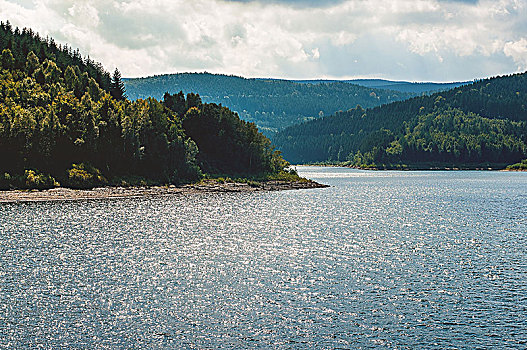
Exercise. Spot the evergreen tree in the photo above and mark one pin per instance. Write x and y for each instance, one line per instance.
(7, 59)
(117, 89)
(32, 62)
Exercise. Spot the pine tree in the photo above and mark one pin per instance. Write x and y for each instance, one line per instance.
(6, 59)
(117, 89)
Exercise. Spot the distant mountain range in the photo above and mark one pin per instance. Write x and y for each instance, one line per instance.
(271, 104)
(401, 86)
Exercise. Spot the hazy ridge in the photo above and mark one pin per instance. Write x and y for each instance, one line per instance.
(271, 104)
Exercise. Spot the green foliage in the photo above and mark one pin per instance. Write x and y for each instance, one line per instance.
(117, 88)
(519, 166)
(7, 59)
(289, 175)
(6, 181)
(447, 136)
(270, 104)
(226, 143)
(401, 86)
(478, 123)
(84, 176)
(21, 43)
(35, 180)
(54, 114)
(29, 179)
(132, 180)
(32, 62)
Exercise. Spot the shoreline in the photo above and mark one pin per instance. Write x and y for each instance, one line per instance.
(208, 186)
(414, 168)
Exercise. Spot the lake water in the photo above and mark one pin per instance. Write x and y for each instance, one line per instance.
(395, 260)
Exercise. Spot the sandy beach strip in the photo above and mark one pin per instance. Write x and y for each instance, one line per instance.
(68, 194)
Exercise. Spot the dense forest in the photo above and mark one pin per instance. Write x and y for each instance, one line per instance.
(63, 118)
(484, 122)
(271, 104)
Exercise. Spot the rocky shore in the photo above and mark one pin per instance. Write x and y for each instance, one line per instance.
(68, 194)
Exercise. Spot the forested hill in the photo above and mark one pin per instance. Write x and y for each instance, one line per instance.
(401, 86)
(63, 119)
(270, 104)
(21, 42)
(484, 122)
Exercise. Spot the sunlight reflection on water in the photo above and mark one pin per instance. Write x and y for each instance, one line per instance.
(378, 260)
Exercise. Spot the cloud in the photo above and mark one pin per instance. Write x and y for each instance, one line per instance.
(295, 3)
(439, 40)
(518, 51)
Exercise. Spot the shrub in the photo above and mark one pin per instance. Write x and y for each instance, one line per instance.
(5, 181)
(132, 180)
(36, 180)
(84, 176)
(518, 166)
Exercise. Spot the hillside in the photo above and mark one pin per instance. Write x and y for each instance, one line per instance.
(401, 86)
(63, 119)
(484, 122)
(270, 104)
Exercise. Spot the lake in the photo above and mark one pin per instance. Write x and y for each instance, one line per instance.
(382, 259)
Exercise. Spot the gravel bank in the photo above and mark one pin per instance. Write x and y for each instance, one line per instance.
(60, 193)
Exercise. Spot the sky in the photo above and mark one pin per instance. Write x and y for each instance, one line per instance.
(413, 40)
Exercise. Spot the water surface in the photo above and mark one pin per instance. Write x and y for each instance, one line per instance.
(379, 260)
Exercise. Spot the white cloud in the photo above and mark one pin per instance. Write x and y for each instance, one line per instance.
(84, 15)
(400, 39)
(315, 53)
(518, 51)
(343, 38)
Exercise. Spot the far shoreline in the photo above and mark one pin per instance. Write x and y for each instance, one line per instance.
(109, 192)
(415, 168)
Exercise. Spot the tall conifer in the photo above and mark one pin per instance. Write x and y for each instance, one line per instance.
(117, 89)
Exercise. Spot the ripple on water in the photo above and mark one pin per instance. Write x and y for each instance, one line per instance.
(378, 260)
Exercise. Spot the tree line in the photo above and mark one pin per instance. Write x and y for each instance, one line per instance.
(63, 119)
(484, 122)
